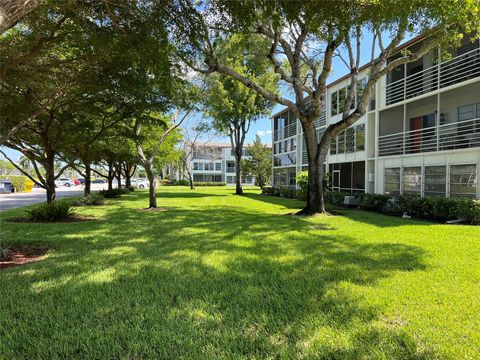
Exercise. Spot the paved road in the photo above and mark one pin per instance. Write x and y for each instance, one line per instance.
(12, 201)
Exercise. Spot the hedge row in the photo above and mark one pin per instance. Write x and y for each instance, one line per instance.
(428, 208)
(18, 181)
(209, 183)
(284, 191)
(184, 182)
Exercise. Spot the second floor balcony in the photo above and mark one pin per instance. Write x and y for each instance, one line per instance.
(461, 68)
(285, 132)
(452, 136)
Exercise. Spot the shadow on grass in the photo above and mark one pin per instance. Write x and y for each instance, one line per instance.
(204, 283)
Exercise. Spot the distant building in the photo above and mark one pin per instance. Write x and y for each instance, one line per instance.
(214, 162)
(420, 135)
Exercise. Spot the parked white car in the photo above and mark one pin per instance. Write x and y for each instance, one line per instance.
(139, 183)
(64, 182)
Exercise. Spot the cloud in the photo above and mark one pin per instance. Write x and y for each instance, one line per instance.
(263, 133)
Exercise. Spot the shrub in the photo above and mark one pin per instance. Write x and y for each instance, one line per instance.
(469, 210)
(182, 182)
(58, 210)
(110, 194)
(208, 183)
(89, 200)
(131, 188)
(335, 197)
(268, 190)
(373, 202)
(19, 182)
(164, 181)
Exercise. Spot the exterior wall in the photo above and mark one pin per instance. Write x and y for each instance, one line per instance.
(219, 167)
(433, 95)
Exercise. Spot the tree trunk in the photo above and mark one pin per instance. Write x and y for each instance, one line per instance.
(128, 180)
(238, 169)
(110, 176)
(152, 185)
(192, 185)
(12, 11)
(315, 202)
(50, 179)
(119, 178)
(88, 180)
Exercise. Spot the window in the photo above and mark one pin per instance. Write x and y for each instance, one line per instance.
(350, 140)
(218, 166)
(435, 181)
(284, 160)
(342, 97)
(412, 180)
(463, 180)
(360, 137)
(334, 104)
(467, 112)
(341, 143)
(195, 166)
(333, 147)
(392, 181)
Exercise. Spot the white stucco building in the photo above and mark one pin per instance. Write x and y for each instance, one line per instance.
(420, 135)
(214, 162)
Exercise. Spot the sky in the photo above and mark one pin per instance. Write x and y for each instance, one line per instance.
(262, 127)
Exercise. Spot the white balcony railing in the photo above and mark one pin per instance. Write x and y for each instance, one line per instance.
(287, 131)
(463, 67)
(458, 135)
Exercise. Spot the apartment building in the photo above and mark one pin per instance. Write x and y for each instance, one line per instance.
(215, 162)
(420, 135)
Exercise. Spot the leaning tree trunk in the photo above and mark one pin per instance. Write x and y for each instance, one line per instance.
(238, 170)
(50, 179)
(152, 185)
(128, 181)
(88, 180)
(315, 202)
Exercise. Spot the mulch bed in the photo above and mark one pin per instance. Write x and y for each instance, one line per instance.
(22, 254)
(153, 209)
(70, 219)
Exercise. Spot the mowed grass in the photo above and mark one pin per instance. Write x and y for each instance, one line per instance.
(218, 276)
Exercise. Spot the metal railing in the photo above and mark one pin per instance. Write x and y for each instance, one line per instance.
(287, 131)
(457, 135)
(463, 67)
(322, 120)
(230, 170)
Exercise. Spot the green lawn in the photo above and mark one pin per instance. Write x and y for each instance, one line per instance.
(220, 276)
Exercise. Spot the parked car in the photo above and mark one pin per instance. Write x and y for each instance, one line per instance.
(77, 182)
(139, 183)
(82, 181)
(98, 181)
(64, 182)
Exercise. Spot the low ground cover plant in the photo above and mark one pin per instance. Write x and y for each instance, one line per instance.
(114, 193)
(89, 200)
(58, 210)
